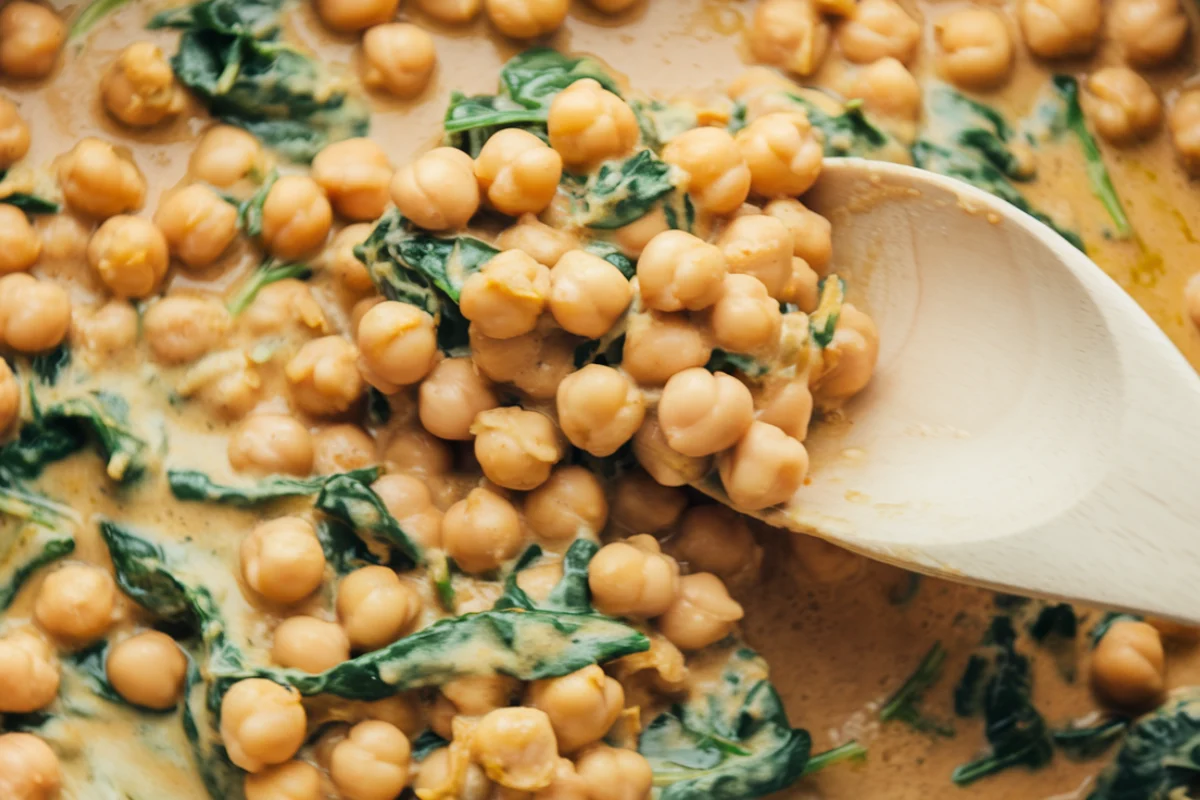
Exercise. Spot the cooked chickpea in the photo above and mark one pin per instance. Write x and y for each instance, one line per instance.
(787, 404)
(147, 669)
(1121, 105)
(1128, 666)
(642, 505)
(375, 607)
(764, 469)
(76, 603)
(633, 238)
(659, 345)
(197, 223)
(516, 448)
(516, 748)
(20, 245)
(418, 452)
(888, 89)
(569, 505)
(879, 29)
(34, 315)
(760, 246)
(679, 271)
(262, 723)
(180, 329)
(612, 6)
(825, 562)
(397, 345)
(282, 559)
(850, 357)
(324, 376)
(783, 153)
(545, 244)
(293, 780)
(438, 191)
(351, 274)
(481, 531)
(589, 124)
(350, 16)
(615, 774)
(439, 776)
(452, 12)
(507, 296)
(1184, 122)
(296, 217)
(666, 466)
(225, 155)
(703, 613)
(582, 706)
(139, 88)
(371, 763)
(14, 134)
(717, 176)
(355, 174)
(599, 409)
(451, 397)
(587, 294)
(30, 38)
(976, 48)
(746, 319)
(98, 179)
(536, 362)
(29, 769)
(1060, 28)
(716, 539)
(702, 412)
(526, 19)
(633, 578)
(472, 696)
(10, 397)
(409, 500)
(811, 233)
(282, 307)
(518, 172)
(130, 255)
(28, 674)
(341, 448)
(397, 58)
(1150, 32)
(790, 34)
(309, 644)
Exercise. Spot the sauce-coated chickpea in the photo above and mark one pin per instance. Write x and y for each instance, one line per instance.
(888, 89)
(615, 774)
(481, 531)
(376, 608)
(587, 294)
(452, 12)
(408, 499)
(197, 223)
(282, 559)
(324, 376)
(516, 748)
(282, 307)
(679, 271)
(659, 345)
(1184, 121)
(760, 246)
(539, 581)
(536, 363)
(451, 397)
(589, 124)
(790, 34)
(147, 669)
(811, 233)
(355, 174)
(507, 296)
(30, 38)
(526, 19)
(764, 469)
(372, 762)
(825, 562)
(746, 319)
(397, 58)
(611, 6)
(397, 345)
(106, 332)
(309, 644)
(1150, 32)
(14, 134)
(296, 217)
(262, 723)
(20, 245)
(225, 155)
(139, 88)
(850, 357)
(76, 603)
(717, 176)
(783, 153)
(666, 466)
(294, 780)
(518, 172)
(545, 244)
(438, 191)
(341, 448)
(130, 255)
(633, 238)
(100, 180)
(351, 274)
(439, 776)
(271, 444)
(566, 783)
(599, 409)
(1060, 28)
(1121, 105)
(633, 578)
(28, 673)
(10, 397)
(348, 16)
(516, 448)
(716, 539)
(569, 505)
(976, 48)
(787, 404)
(472, 696)
(702, 614)
(180, 329)
(1128, 665)
(29, 769)
(418, 452)
(34, 315)
(642, 505)
(703, 412)
(879, 29)
(582, 706)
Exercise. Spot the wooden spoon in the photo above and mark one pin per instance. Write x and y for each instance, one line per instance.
(1029, 428)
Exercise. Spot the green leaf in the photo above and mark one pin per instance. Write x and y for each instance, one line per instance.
(850, 751)
(904, 704)
(353, 503)
(49, 366)
(570, 595)
(29, 506)
(89, 665)
(141, 570)
(850, 133)
(822, 323)
(250, 210)
(425, 744)
(65, 427)
(1160, 757)
(195, 486)
(1084, 742)
(1101, 628)
(344, 550)
(621, 192)
(724, 361)
(92, 13)
(36, 548)
(270, 271)
(31, 203)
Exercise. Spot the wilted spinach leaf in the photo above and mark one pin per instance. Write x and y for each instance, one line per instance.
(193, 485)
(622, 192)
(1160, 757)
(905, 703)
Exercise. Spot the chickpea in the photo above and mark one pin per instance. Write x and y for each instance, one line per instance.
(30, 38)
(147, 670)
(589, 124)
(14, 134)
(825, 562)
(10, 397)
(746, 319)
(451, 397)
(612, 6)
(879, 29)
(516, 448)
(615, 774)
(139, 88)
(783, 153)
(481, 531)
(375, 607)
(659, 345)
(1128, 666)
(516, 748)
(702, 412)
(197, 223)
(790, 34)
(1060, 28)
(34, 315)
(545, 244)
(271, 444)
(1150, 32)
(282, 559)
(642, 505)
(351, 274)
(679, 271)
(786, 404)
(1121, 105)
(293, 780)
(518, 172)
(536, 363)
(470, 697)
(569, 505)
(666, 466)
(408, 500)
(76, 603)
(180, 329)
(507, 296)
(130, 255)
(811, 233)
(1191, 296)
(309, 644)
(282, 307)
(438, 191)
(976, 48)
(324, 376)
(419, 453)
(599, 409)
(888, 89)
(372, 762)
(29, 769)
(341, 448)
(397, 344)
(716, 539)
(19, 242)
(355, 174)
(225, 156)
(452, 12)
(1184, 122)
(440, 776)
(582, 706)
(262, 723)
(566, 783)
(850, 358)
(764, 469)
(587, 294)
(296, 217)
(539, 581)
(526, 19)
(397, 58)
(355, 15)
(96, 178)
(717, 177)
(29, 672)
(703, 613)
(633, 578)
(633, 238)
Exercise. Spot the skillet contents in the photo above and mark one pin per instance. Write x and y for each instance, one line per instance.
(359, 428)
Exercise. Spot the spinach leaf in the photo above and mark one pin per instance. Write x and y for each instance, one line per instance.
(91, 14)
(729, 740)
(570, 595)
(1054, 620)
(904, 704)
(200, 717)
(344, 551)
(425, 744)
(1083, 742)
(195, 486)
(353, 503)
(36, 548)
(89, 665)
(441, 572)
(38, 445)
(621, 192)
(140, 567)
(270, 271)
(850, 133)
(250, 210)
(31, 203)
(1160, 757)
(1100, 629)
(49, 366)
(968, 692)
(724, 361)
(850, 751)
(612, 255)
(822, 323)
